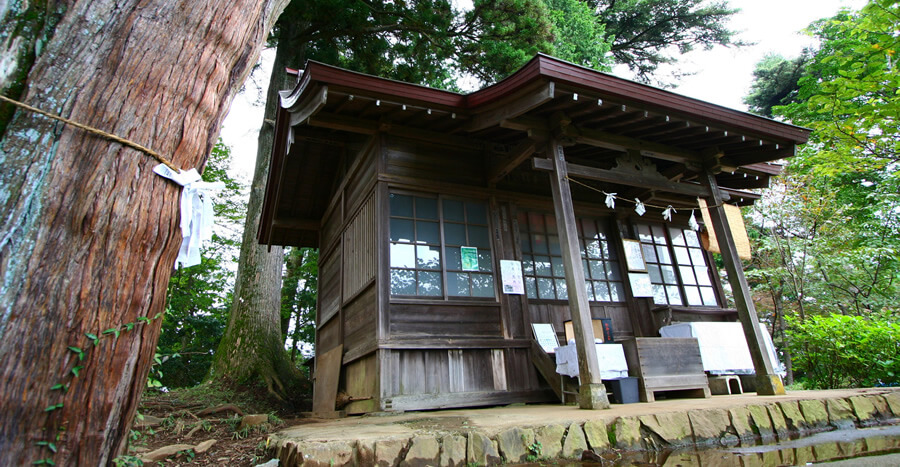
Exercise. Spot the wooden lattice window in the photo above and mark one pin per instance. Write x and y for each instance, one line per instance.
(427, 238)
(542, 262)
(677, 265)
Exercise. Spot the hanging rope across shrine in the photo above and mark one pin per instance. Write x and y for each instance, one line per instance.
(640, 207)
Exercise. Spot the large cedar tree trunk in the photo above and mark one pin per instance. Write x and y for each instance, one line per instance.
(88, 234)
(252, 348)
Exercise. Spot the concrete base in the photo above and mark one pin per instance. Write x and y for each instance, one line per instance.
(592, 396)
(769, 385)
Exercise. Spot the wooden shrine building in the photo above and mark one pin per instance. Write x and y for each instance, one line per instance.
(415, 195)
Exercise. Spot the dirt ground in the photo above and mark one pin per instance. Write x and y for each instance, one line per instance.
(192, 416)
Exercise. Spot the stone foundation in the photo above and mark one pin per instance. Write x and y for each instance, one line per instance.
(721, 426)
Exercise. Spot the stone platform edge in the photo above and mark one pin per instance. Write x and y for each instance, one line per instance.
(696, 427)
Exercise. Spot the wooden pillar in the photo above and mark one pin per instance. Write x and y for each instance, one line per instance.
(592, 394)
(767, 381)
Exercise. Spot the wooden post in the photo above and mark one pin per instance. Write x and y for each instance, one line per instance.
(592, 394)
(767, 381)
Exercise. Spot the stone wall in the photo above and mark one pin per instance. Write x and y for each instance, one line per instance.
(764, 421)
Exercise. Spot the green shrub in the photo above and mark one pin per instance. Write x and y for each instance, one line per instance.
(838, 351)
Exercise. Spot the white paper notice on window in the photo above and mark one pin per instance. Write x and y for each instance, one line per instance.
(640, 284)
(511, 274)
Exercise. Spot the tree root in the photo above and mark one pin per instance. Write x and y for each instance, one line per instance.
(221, 408)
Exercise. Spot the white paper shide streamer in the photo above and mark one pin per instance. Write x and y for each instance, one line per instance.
(196, 212)
(639, 207)
(667, 213)
(610, 200)
(692, 222)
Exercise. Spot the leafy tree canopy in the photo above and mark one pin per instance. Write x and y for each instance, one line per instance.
(645, 33)
(776, 83)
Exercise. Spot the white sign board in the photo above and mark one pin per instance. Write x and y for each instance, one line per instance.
(511, 275)
(545, 336)
(640, 284)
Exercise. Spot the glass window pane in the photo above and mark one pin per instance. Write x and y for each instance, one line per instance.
(609, 251)
(401, 230)
(663, 254)
(698, 257)
(453, 211)
(478, 237)
(677, 237)
(559, 269)
(526, 245)
(428, 257)
(612, 271)
(477, 213)
(687, 275)
(458, 284)
(589, 290)
(668, 275)
(426, 208)
(691, 237)
(536, 222)
(530, 287)
(597, 270)
(482, 285)
(454, 259)
(702, 275)
(545, 288)
(428, 232)
(674, 295)
(527, 265)
(644, 233)
(659, 294)
(454, 234)
(616, 292)
(589, 228)
(649, 254)
(655, 275)
(693, 296)
(681, 255)
(403, 282)
(659, 235)
(542, 265)
(708, 295)
(553, 241)
(539, 244)
(429, 284)
(593, 249)
(601, 290)
(550, 224)
(485, 261)
(403, 256)
(561, 290)
(401, 205)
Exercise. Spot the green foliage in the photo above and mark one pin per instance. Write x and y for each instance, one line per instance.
(645, 32)
(299, 292)
(837, 351)
(579, 35)
(535, 451)
(776, 83)
(198, 297)
(830, 231)
(850, 94)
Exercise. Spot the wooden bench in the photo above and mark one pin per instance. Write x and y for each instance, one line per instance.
(666, 364)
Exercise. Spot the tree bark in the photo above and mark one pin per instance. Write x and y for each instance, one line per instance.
(88, 234)
(252, 347)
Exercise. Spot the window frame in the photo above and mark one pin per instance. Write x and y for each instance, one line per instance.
(601, 223)
(670, 248)
(444, 269)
